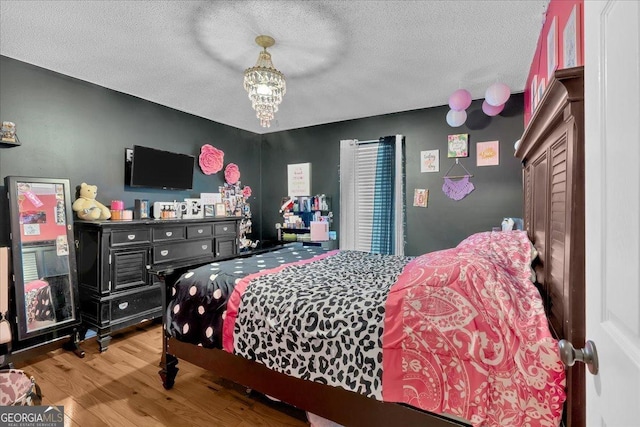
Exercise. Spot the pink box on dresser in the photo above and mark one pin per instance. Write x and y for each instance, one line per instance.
(319, 231)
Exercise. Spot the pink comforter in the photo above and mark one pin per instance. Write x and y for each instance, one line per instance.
(465, 334)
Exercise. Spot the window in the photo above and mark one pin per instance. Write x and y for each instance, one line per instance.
(372, 195)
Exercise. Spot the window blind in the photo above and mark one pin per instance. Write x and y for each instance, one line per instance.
(358, 163)
(365, 177)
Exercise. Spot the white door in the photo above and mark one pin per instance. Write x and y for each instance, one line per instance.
(612, 160)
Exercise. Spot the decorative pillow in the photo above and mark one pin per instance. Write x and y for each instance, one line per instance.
(511, 249)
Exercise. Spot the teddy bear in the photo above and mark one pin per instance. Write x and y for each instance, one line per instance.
(86, 206)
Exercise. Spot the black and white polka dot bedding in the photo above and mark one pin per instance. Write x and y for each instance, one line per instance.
(200, 296)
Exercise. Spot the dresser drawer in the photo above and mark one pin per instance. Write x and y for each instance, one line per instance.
(226, 246)
(161, 234)
(185, 250)
(128, 268)
(197, 231)
(227, 227)
(129, 237)
(135, 304)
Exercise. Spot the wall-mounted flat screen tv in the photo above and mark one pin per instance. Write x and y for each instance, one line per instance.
(153, 168)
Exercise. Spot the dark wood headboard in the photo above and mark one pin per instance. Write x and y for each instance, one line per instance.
(552, 153)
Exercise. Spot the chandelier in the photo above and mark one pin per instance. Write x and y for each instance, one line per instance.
(264, 84)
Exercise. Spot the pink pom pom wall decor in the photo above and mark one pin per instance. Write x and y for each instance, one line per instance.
(211, 159)
(246, 192)
(232, 173)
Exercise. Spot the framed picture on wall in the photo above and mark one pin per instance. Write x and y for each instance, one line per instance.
(299, 179)
(552, 51)
(420, 197)
(571, 40)
(488, 153)
(458, 145)
(533, 93)
(541, 88)
(430, 161)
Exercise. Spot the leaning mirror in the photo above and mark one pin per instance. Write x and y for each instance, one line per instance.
(44, 263)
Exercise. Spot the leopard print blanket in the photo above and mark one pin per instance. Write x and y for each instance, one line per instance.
(321, 321)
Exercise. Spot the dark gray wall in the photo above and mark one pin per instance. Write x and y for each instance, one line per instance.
(76, 130)
(445, 222)
(73, 129)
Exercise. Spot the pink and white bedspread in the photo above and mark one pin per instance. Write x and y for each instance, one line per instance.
(460, 331)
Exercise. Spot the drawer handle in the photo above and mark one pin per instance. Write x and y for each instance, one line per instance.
(164, 252)
(131, 236)
(200, 230)
(169, 233)
(225, 228)
(204, 247)
(123, 305)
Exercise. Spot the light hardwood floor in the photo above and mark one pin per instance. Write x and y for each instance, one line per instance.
(121, 387)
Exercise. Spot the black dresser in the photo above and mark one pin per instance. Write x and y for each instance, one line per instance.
(115, 259)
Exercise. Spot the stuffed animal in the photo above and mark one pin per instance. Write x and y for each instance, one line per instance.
(86, 206)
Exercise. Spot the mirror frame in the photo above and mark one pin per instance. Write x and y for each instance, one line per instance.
(11, 184)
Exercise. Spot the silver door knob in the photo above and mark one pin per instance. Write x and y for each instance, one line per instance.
(587, 355)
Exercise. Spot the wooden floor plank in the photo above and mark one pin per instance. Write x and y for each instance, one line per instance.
(121, 387)
(139, 395)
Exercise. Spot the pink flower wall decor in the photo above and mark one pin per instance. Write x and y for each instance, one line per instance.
(211, 159)
(232, 173)
(246, 192)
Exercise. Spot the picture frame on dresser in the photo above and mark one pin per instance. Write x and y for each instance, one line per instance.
(46, 294)
(141, 209)
(220, 210)
(209, 211)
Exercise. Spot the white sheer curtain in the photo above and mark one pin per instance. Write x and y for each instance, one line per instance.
(357, 177)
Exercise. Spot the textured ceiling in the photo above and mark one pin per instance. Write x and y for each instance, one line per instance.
(342, 59)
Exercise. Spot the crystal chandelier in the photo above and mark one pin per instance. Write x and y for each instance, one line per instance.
(264, 84)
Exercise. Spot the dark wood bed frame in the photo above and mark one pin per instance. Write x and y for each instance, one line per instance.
(552, 153)
(551, 150)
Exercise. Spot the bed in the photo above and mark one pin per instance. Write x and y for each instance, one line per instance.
(480, 299)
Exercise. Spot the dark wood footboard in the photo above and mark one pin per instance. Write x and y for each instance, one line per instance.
(342, 406)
